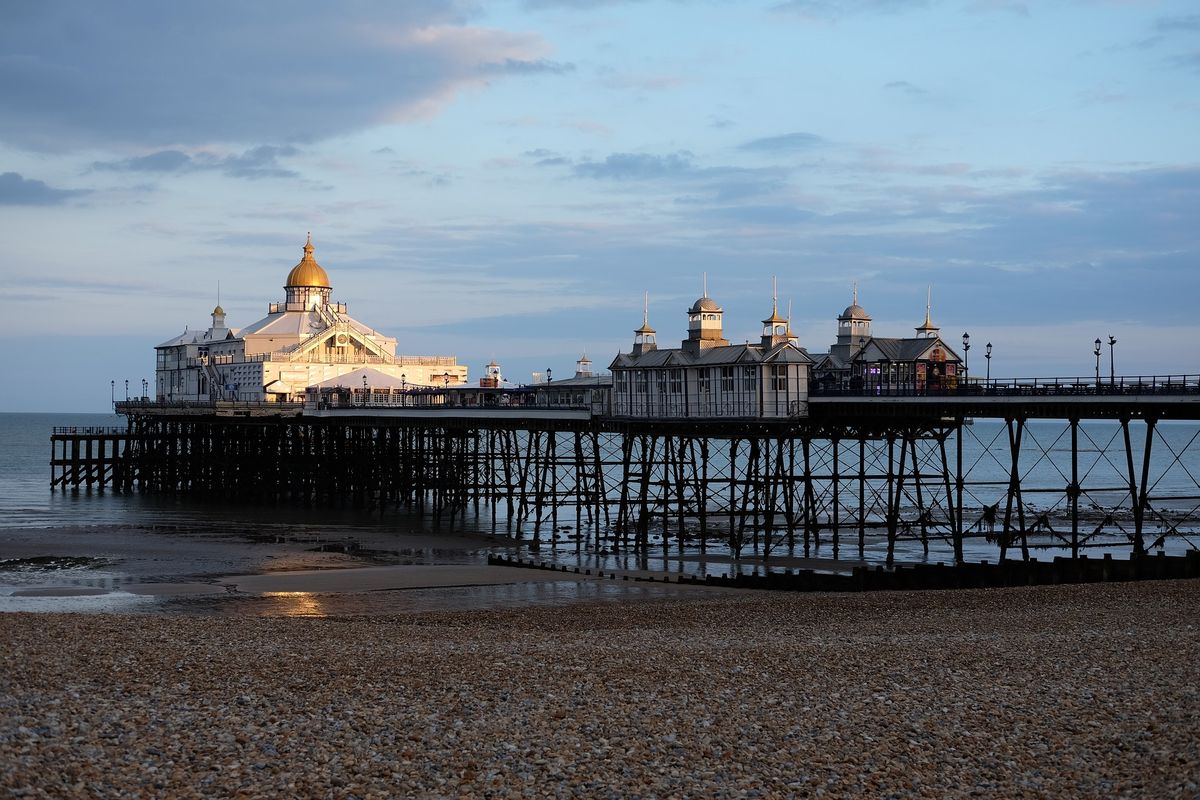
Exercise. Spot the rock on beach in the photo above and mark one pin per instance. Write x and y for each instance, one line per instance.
(1079, 691)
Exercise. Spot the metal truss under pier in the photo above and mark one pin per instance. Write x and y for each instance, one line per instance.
(858, 475)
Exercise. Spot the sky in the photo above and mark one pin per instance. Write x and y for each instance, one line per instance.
(508, 180)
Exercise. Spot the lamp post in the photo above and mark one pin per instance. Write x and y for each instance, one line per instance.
(364, 389)
(1096, 353)
(549, 374)
(445, 379)
(145, 388)
(112, 392)
(1112, 370)
(127, 389)
(966, 355)
(987, 353)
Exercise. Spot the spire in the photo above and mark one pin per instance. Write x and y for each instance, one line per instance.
(705, 285)
(645, 317)
(927, 327)
(644, 339)
(855, 297)
(774, 319)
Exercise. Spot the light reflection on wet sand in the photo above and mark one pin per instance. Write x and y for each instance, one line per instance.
(406, 601)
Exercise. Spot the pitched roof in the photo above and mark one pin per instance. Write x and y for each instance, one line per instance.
(784, 352)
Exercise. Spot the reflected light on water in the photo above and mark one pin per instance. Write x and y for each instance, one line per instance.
(295, 604)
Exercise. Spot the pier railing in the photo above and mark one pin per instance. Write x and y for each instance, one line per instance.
(1026, 387)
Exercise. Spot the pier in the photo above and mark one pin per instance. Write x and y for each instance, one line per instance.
(859, 467)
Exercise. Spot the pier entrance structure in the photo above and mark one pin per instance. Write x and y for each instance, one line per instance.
(1016, 467)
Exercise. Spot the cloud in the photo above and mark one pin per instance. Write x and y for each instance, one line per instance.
(512, 66)
(904, 87)
(1190, 61)
(1173, 24)
(257, 162)
(636, 166)
(782, 144)
(80, 74)
(18, 191)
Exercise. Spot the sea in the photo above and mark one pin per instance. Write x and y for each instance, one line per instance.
(85, 550)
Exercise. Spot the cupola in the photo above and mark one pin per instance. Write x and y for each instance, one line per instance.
(307, 285)
(704, 324)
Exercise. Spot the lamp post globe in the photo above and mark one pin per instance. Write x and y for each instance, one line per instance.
(987, 353)
(1096, 353)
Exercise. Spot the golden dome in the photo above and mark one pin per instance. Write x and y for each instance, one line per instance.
(308, 272)
(218, 312)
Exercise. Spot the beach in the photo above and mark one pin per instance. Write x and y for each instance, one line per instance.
(1087, 690)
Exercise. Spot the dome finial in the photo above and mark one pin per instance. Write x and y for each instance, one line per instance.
(855, 298)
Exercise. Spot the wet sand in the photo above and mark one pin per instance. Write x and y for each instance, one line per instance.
(1076, 691)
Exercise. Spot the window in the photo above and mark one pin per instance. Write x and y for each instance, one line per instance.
(750, 378)
(661, 380)
(705, 384)
(727, 379)
(640, 386)
(779, 378)
(676, 381)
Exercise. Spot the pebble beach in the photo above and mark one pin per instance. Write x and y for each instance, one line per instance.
(1072, 691)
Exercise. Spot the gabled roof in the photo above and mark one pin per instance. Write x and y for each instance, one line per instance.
(914, 349)
(785, 352)
(199, 336)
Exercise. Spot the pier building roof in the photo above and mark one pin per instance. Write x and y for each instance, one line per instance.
(785, 353)
(308, 272)
(854, 311)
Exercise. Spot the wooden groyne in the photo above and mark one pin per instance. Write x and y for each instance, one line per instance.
(966, 575)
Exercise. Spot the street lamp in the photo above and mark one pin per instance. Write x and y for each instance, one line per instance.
(127, 389)
(364, 388)
(1112, 370)
(549, 374)
(987, 353)
(145, 388)
(403, 382)
(966, 354)
(112, 392)
(445, 379)
(1096, 353)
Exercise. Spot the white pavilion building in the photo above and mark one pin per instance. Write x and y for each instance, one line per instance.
(303, 341)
